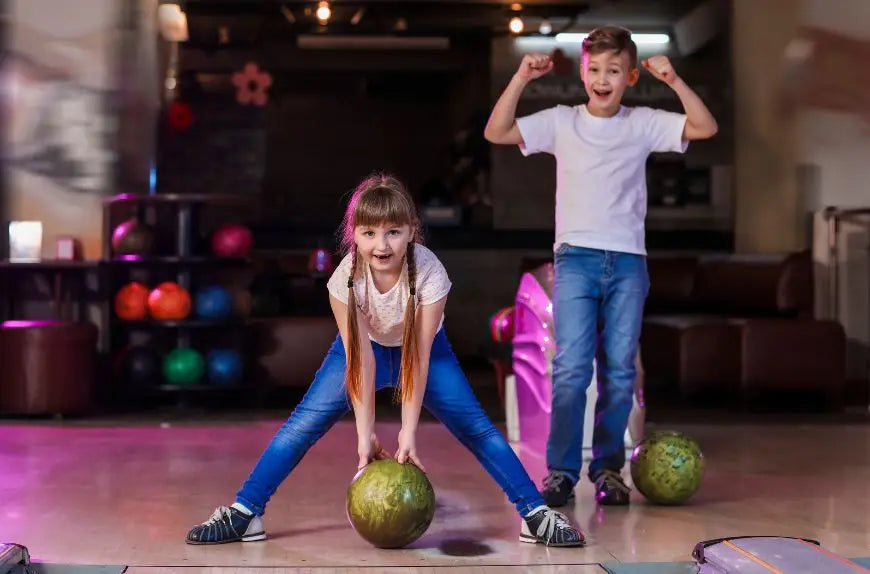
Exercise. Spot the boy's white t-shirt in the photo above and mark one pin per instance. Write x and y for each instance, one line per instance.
(601, 193)
(386, 311)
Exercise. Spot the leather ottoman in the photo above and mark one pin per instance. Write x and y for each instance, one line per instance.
(47, 366)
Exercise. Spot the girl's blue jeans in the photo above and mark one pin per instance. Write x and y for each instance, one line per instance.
(448, 397)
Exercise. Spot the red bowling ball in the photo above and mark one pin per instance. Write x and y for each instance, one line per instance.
(232, 240)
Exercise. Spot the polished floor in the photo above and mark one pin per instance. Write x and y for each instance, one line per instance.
(113, 492)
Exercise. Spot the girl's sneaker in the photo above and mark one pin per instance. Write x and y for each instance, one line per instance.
(546, 526)
(227, 524)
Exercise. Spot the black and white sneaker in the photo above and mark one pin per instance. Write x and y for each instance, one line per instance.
(227, 524)
(558, 489)
(546, 526)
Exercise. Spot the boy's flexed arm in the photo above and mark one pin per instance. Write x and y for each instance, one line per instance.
(502, 126)
(700, 123)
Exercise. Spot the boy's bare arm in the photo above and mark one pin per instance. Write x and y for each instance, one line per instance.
(700, 123)
(502, 126)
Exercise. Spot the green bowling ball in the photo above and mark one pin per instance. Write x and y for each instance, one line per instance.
(390, 505)
(667, 467)
(183, 366)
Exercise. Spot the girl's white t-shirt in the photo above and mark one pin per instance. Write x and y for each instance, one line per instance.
(386, 311)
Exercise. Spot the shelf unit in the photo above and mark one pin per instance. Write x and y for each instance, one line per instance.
(181, 253)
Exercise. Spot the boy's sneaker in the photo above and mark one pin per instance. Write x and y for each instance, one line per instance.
(558, 489)
(546, 526)
(610, 488)
(227, 524)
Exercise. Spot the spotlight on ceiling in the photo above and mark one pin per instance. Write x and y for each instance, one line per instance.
(323, 12)
(516, 25)
(172, 22)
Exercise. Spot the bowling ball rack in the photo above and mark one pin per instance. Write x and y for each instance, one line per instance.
(181, 253)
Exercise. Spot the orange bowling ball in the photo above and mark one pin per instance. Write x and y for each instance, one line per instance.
(169, 301)
(131, 302)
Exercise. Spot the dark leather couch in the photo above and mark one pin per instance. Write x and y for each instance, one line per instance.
(741, 326)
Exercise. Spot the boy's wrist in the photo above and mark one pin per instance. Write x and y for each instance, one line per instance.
(521, 79)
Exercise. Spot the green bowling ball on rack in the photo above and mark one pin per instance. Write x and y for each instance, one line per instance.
(183, 366)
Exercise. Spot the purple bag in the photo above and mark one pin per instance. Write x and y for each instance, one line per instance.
(770, 554)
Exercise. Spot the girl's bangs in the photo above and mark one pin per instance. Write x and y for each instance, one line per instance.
(381, 207)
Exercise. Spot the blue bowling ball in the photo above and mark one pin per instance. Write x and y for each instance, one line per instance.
(214, 302)
(224, 367)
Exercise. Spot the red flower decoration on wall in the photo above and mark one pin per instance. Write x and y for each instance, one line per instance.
(251, 85)
(180, 116)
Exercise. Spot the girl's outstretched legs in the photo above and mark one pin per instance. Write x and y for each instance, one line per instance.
(323, 405)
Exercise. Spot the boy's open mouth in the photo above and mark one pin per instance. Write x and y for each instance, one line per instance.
(602, 93)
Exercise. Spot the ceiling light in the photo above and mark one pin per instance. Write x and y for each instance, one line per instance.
(646, 39)
(323, 12)
(172, 22)
(516, 25)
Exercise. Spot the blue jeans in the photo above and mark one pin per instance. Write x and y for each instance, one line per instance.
(598, 300)
(448, 397)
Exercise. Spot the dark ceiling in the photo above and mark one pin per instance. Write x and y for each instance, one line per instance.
(227, 23)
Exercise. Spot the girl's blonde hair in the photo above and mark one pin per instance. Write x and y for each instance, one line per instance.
(381, 200)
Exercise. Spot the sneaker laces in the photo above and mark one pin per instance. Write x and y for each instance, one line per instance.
(552, 522)
(220, 514)
(554, 480)
(612, 479)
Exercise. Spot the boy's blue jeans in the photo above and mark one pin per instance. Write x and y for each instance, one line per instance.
(448, 396)
(598, 297)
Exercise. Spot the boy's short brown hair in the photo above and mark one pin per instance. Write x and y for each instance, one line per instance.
(611, 38)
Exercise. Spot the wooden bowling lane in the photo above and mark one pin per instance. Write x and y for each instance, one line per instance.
(544, 569)
(95, 493)
(128, 496)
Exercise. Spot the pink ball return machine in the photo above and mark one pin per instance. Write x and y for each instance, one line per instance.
(528, 390)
